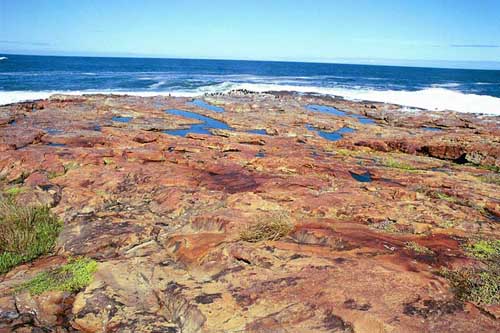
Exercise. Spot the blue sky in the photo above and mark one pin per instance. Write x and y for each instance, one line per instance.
(376, 31)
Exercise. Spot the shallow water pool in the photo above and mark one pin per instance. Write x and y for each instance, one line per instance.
(202, 104)
(203, 128)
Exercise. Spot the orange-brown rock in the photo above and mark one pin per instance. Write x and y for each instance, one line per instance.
(163, 214)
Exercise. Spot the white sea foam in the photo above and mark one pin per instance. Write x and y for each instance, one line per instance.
(430, 99)
(446, 85)
(484, 83)
(3, 58)
(157, 85)
(438, 99)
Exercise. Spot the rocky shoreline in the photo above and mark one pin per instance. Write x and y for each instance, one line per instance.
(373, 203)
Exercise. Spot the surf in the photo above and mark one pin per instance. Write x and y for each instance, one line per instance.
(434, 99)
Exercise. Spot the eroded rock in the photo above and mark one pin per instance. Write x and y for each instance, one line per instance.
(163, 214)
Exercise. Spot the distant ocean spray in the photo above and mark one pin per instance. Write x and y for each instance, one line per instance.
(35, 77)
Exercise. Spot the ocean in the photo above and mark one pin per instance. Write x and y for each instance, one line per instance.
(34, 77)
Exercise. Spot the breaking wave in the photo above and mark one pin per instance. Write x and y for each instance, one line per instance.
(437, 99)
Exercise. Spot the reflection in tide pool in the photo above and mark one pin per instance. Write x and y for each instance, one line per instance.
(122, 119)
(203, 128)
(202, 104)
(258, 131)
(336, 112)
(53, 144)
(332, 136)
(432, 129)
(363, 178)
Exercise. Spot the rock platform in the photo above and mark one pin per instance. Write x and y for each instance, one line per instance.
(163, 214)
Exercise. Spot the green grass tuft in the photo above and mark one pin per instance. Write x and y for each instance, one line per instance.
(107, 161)
(14, 191)
(478, 285)
(26, 232)
(387, 226)
(484, 249)
(493, 168)
(274, 228)
(72, 277)
(344, 152)
(481, 286)
(54, 174)
(392, 163)
(418, 249)
(444, 196)
(71, 166)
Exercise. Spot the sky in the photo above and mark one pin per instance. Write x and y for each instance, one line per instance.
(463, 33)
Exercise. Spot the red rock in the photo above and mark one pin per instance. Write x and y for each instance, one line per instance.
(37, 179)
(163, 215)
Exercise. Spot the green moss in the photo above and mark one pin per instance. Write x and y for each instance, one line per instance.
(14, 191)
(71, 166)
(446, 224)
(450, 199)
(107, 161)
(444, 197)
(54, 174)
(392, 163)
(484, 249)
(26, 232)
(272, 229)
(493, 168)
(481, 286)
(344, 152)
(419, 249)
(101, 193)
(72, 277)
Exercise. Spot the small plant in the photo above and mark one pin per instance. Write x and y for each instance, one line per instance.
(387, 226)
(478, 285)
(344, 152)
(446, 224)
(14, 191)
(272, 229)
(71, 166)
(72, 277)
(107, 161)
(481, 286)
(484, 249)
(418, 249)
(55, 174)
(392, 163)
(101, 193)
(444, 196)
(26, 232)
(493, 168)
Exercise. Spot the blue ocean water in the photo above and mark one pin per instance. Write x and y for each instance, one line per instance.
(27, 77)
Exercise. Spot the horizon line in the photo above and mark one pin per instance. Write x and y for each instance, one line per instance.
(458, 64)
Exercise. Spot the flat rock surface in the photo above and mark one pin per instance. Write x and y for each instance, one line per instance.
(163, 214)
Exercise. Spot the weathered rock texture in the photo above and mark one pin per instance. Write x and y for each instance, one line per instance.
(163, 215)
